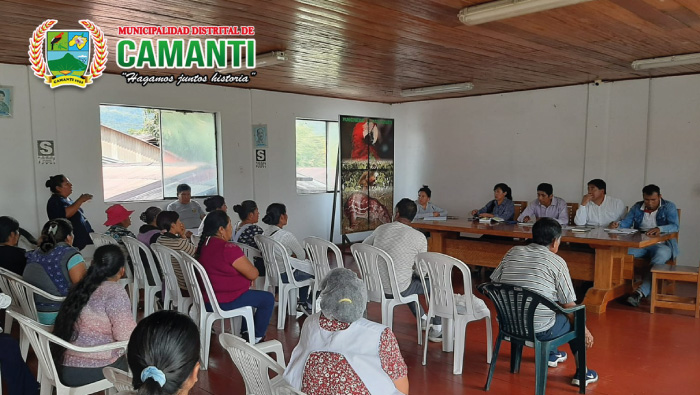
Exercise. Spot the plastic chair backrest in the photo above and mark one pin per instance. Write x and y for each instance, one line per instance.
(253, 364)
(196, 276)
(516, 307)
(40, 338)
(272, 249)
(317, 251)
(100, 240)
(165, 259)
(250, 252)
(5, 277)
(121, 380)
(23, 294)
(135, 247)
(441, 289)
(369, 258)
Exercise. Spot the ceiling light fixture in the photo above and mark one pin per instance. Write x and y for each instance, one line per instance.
(666, 61)
(503, 9)
(262, 60)
(432, 90)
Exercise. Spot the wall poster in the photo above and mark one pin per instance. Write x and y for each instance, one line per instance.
(366, 172)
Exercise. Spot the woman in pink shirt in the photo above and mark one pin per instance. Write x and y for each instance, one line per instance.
(231, 273)
(96, 311)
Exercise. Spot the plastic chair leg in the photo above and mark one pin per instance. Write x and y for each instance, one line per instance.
(206, 340)
(8, 323)
(425, 343)
(420, 339)
(281, 308)
(541, 366)
(516, 355)
(489, 340)
(448, 334)
(492, 368)
(23, 344)
(460, 340)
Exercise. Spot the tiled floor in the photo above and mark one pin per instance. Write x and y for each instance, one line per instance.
(635, 353)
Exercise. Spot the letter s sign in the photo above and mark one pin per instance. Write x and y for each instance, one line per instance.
(46, 147)
(260, 155)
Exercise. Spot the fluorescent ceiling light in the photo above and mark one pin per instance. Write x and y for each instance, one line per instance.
(263, 60)
(667, 61)
(503, 9)
(431, 90)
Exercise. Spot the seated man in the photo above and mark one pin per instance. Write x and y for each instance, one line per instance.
(191, 213)
(546, 205)
(403, 243)
(538, 268)
(597, 208)
(654, 216)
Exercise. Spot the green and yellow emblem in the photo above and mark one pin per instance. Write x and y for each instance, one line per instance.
(70, 57)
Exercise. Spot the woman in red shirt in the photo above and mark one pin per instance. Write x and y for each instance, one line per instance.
(231, 273)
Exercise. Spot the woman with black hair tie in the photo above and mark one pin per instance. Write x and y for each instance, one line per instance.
(276, 216)
(54, 267)
(175, 237)
(60, 205)
(246, 229)
(163, 354)
(96, 311)
(149, 231)
(212, 203)
(231, 273)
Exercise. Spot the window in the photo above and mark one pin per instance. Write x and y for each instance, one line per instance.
(316, 156)
(147, 152)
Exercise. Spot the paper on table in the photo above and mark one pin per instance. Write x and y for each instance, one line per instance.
(622, 231)
(435, 219)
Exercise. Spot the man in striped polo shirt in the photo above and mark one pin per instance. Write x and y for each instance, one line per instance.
(538, 268)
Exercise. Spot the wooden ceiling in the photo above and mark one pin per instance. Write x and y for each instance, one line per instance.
(371, 49)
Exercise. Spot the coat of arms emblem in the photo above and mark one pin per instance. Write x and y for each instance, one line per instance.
(68, 57)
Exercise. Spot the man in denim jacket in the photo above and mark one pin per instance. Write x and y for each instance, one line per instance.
(654, 216)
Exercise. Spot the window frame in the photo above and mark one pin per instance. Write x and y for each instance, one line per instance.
(217, 153)
(329, 188)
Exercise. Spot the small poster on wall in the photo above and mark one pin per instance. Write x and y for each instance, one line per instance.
(5, 101)
(366, 173)
(260, 136)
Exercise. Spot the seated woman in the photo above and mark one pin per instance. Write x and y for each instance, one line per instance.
(118, 220)
(339, 352)
(163, 354)
(246, 229)
(149, 232)
(276, 216)
(216, 202)
(425, 208)
(12, 257)
(54, 267)
(96, 311)
(231, 273)
(501, 206)
(175, 237)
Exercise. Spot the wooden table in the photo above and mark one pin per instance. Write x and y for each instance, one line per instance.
(594, 255)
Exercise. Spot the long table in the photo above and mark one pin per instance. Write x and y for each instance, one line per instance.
(594, 255)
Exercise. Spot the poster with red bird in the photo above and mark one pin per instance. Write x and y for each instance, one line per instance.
(366, 172)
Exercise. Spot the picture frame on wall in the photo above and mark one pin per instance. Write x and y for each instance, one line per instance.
(5, 101)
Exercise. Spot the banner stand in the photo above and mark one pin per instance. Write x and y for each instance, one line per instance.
(336, 192)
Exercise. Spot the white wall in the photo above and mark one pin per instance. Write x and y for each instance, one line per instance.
(629, 133)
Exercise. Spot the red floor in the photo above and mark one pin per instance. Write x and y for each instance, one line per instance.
(635, 353)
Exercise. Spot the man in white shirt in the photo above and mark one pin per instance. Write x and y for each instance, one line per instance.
(402, 243)
(597, 208)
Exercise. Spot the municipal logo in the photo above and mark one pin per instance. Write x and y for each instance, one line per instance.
(68, 57)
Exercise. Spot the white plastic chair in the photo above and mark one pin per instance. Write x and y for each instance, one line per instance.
(270, 250)
(41, 340)
(317, 252)
(251, 253)
(173, 293)
(135, 247)
(195, 239)
(255, 365)
(121, 380)
(368, 259)
(23, 294)
(5, 276)
(457, 311)
(100, 240)
(194, 272)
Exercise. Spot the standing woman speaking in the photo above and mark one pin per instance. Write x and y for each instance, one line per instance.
(61, 206)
